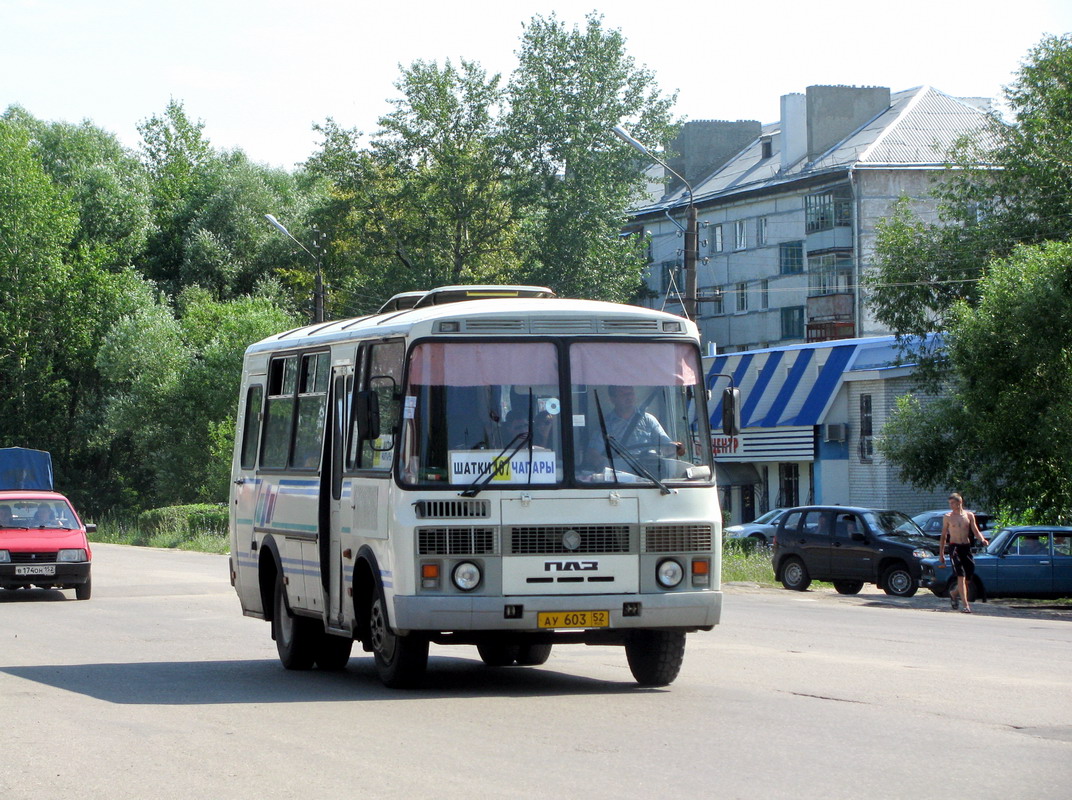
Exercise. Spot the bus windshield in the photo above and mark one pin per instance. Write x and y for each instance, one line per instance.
(511, 414)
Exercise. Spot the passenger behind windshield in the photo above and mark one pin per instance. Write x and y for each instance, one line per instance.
(6, 519)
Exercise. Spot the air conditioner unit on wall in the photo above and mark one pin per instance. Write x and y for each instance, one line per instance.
(835, 432)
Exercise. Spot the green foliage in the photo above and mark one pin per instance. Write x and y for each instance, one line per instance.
(1003, 435)
(468, 181)
(173, 383)
(193, 527)
(184, 519)
(571, 87)
(743, 562)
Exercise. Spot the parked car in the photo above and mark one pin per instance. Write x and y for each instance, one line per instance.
(930, 522)
(761, 530)
(850, 547)
(1021, 561)
(43, 543)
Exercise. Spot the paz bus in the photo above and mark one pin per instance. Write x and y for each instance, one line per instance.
(489, 466)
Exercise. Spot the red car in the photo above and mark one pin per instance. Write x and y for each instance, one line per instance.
(43, 543)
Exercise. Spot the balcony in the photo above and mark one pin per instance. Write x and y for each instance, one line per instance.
(830, 317)
(829, 330)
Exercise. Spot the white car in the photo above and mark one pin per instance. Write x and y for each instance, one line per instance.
(760, 530)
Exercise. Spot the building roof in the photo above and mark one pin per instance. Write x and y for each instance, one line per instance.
(796, 385)
(915, 131)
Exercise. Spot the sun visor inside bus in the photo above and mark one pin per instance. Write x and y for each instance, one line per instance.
(21, 468)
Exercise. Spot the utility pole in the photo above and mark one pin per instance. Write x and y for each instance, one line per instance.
(692, 226)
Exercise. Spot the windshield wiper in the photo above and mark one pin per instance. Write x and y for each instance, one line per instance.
(635, 463)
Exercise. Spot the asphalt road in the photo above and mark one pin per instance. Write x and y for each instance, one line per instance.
(158, 687)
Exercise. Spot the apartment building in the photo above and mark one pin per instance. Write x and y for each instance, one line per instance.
(787, 210)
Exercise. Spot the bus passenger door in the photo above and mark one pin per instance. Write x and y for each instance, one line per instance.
(244, 493)
(332, 489)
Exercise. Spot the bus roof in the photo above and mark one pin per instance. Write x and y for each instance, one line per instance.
(490, 317)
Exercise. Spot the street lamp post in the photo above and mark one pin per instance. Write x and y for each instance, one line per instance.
(318, 243)
(692, 227)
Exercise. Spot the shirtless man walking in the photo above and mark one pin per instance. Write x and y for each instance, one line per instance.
(959, 531)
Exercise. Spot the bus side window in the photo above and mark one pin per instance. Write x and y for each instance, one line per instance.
(251, 426)
(282, 383)
(312, 410)
(384, 377)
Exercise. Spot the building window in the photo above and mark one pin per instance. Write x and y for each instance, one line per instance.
(827, 210)
(867, 449)
(711, 298)
(793, 322)
(717, 301)
(739, 240)
(742, 296)
(715, 238)
(766, 148)
(764, 294)
(669, 276)
(788, 485)
(761, 231)
(791, 258)
(829, 273)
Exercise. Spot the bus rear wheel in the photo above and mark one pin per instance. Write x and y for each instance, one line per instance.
(400, 660)
(532, 655)
(497, 654)
(655, 656)
(296, 638)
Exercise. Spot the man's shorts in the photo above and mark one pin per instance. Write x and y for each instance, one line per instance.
(962, 561)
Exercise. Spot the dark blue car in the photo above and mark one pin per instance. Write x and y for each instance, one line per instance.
(1023, 561)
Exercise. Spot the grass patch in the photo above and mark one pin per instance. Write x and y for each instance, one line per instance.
(742, 561)
(198, 527)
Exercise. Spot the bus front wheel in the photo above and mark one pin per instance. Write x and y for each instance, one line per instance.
(400, 660)
(655, 656)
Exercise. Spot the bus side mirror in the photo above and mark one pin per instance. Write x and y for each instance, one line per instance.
(367, 411)
(731, 411)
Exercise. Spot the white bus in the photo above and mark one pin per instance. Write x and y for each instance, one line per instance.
(489, 466)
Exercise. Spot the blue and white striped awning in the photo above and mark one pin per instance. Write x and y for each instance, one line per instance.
(794, 385)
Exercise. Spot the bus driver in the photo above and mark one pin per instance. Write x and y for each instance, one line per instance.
(633, 428)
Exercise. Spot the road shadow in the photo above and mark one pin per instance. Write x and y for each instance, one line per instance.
(265, 681)
(33, 595)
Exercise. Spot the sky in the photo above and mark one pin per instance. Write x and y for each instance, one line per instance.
(260, 74)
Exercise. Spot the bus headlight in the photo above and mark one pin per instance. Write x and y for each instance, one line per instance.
(466, 576)
(669, 573)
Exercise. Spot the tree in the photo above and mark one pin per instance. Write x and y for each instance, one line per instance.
(1003, 433)
(108, 186)
(431, 200)
(173, 382)
(571, 87)
(36, 224)
(174, 151)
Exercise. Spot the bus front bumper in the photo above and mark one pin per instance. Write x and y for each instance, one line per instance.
(688, 610)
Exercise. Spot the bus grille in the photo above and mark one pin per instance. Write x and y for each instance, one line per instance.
(453, 509)
(547, 539)
(562, 327)
(677, 538)
(456, 541)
